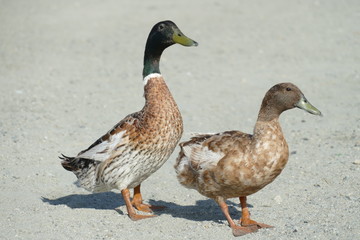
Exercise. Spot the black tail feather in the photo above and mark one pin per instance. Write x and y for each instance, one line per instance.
(74, 164)
(68, 163)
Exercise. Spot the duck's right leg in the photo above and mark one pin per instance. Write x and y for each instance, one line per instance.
(236, 229)
(137, 202)
(130, 209)
(245, 218)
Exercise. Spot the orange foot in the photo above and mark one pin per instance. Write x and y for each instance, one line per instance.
(133, 216)
(236, 229)
(247, 222)
(145, 207)
(137, 202)
(130, 209)
(240, 230)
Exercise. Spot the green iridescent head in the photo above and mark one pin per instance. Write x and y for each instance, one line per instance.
(161, 36)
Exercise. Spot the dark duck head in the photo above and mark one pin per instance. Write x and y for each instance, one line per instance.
(161, 36)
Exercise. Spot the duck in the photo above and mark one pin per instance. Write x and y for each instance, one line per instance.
(140, 143)
(234, 164)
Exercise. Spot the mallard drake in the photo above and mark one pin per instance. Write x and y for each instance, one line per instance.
(140, 143)
(235, 164)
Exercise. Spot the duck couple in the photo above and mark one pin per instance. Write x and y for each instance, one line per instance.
(231, 164)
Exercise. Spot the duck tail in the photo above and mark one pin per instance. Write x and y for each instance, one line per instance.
(73, 164)
(83, 168)
(185, 173)
(68, 162)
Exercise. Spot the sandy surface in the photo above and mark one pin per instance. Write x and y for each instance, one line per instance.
(70, 70)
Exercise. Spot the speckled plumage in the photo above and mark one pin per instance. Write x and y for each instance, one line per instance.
(136, 147)
(241, 165)
(235, 164)
(140, 143)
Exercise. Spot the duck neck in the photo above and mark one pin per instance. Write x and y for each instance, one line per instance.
(160, 107)
(157, 94)
(268, 120)
(268, 113)
(152, 57)
(263, 128)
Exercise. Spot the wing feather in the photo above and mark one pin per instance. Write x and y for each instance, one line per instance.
(199, 154)
(103, 148)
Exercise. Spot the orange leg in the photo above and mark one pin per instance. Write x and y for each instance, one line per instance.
(130, 209)
(236, 229)
(245, 218)
(137, 202)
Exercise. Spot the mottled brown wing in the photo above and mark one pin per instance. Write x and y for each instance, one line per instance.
(198, 153)
(114, 139)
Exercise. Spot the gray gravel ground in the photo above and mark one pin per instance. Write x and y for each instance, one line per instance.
(70, 70)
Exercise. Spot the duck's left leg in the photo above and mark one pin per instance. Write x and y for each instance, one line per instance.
(236, 229)
(245, 218)
(130, 209)
(137, 202)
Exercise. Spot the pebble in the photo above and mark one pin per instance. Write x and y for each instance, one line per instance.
(356, 162)
(278, 199)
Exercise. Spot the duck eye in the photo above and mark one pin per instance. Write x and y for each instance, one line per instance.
(161, 27)
(288, 89)
(179, 34)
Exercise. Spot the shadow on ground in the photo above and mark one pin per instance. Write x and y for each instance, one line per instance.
(104, 201)
(203, 210)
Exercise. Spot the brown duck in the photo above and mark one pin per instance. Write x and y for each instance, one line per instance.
(140, 143)
(235, 164)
